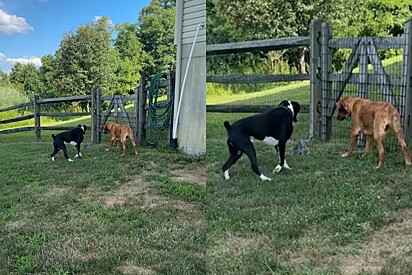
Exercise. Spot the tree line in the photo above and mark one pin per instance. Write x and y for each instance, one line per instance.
(91, 57)
(234, 20)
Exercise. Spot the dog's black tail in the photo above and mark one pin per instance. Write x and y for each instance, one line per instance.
(53, 136)
(227, 125)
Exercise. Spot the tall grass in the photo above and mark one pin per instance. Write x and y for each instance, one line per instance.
(11, 96)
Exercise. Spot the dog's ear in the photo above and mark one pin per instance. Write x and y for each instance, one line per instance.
(284, 103)
(296, 110)
(341, 107)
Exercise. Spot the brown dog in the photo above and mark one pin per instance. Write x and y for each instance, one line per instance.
(374, 119)
(120, 133)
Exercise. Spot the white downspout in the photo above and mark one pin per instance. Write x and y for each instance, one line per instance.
(175, 125)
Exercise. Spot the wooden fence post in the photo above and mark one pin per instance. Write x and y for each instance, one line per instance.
(315, 81)
(136, 111)
(326, 65)
(94, 117)
(99, 115)
(363, 80)
(37, 118)
(142, 111)
(116, 108)
(407, 83)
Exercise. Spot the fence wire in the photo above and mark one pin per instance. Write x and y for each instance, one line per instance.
(377, 83)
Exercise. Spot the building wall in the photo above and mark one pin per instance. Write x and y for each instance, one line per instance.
(191, 129)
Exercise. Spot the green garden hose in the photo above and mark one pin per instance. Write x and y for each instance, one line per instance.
(159, 113)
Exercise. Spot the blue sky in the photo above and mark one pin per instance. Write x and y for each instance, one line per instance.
(30, 29)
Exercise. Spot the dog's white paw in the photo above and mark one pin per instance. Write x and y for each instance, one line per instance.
(345, 155)
(76, 156)
(263, 177)
(277, 169)
(226, 174)
(107, 149)
(286, 165)
(70, 160)
(52, 158)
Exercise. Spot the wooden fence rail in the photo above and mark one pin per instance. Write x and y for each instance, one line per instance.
(226, 108)
(254, 46)
(258, 45)
(135, 118)
(17, 107)
(36, 104)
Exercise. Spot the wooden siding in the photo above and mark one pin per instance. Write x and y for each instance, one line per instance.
(194, 12)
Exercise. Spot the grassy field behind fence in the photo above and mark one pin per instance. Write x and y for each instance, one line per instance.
(102, 213)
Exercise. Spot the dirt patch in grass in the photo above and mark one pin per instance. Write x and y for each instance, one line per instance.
(80, 249)
(236, 246)
(391, 241)
(14, 225)
(394, 240)
(135, 270)
(137, 192)
(139, 189)
(133, 188)
(197, 175)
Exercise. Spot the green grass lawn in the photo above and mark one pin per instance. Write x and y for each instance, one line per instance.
(102, 213)
(326, 216)
(298, 91)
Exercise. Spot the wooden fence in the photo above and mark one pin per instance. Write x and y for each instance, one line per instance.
(37, 113)
(323, 80)
(254, 46)
(135, 118)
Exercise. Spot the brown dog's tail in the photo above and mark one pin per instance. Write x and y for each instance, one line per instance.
(133, 140)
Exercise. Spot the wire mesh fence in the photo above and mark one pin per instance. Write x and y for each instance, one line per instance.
(378, 76)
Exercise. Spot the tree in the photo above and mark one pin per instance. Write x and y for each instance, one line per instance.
(47, 75)
(131, 58)
(26, 78)
(86, 59)
(4, 78)
(236, 20)
(156, 33)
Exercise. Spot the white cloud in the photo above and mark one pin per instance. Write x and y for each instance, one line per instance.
(10, 24)
(25, 60)
(7, 63)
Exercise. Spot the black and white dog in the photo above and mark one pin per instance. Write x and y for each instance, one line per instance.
(74, 137)
(274, 127)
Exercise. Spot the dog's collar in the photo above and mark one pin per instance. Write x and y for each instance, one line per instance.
(82, 127)
(290, 109)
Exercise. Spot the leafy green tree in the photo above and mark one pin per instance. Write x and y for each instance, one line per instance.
(26, 78)
(86, 59)
(131, 58)
(156, 33)
(47, 75)
(4, 78)
(234, 20)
